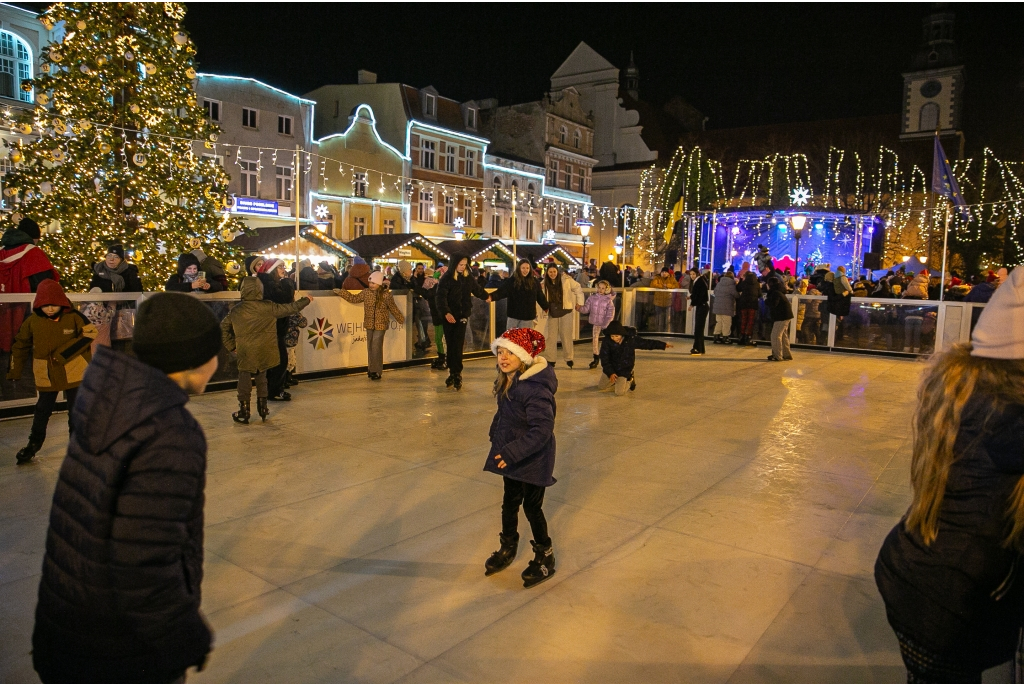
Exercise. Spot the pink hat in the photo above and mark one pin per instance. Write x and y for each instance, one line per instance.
(377, 277)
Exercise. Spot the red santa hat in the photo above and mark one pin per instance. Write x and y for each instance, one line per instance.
(269, 266)
(524, 343)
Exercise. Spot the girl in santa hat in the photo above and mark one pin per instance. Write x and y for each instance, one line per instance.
(523, 448)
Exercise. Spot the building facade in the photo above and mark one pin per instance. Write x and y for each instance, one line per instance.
(933, 91)
(514, 185)
(358, 186)
(262, 127)
(438, 136)
(22, 40)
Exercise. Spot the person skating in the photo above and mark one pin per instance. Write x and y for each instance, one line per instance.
(618, 357)
(600, 310)
(250, 330)
(949, 571)
(563, 295)
(378, 308)
(429, 293)
(58, 339)
(23, 266)
(122, 575)
(523, 448)
(454, 302)
(781, 311)
(277, 287)
(524, 295)
(700, 289)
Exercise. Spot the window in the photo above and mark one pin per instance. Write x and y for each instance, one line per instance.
(582, 180)
(248, 118)
(471, 163)
(449, 153)
(284, 183)
(212, 109)
(427, 151)
(566, 224)
(497, 182)
(248, 177)
(467, 211)
(358, 226)
(430, 105)
(553, 174)
(359, 184)
(426, 205)
(389, 226)
(529, 229)
(284, 125)
(15, 67)
(563, 135)
(929, 120)
(576, 139)
(567, 178)
(496, 225)
(530, 190)
(470, 118)
(449, 210)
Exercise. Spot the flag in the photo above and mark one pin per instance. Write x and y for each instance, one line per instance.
(943, 181)
(677, 214)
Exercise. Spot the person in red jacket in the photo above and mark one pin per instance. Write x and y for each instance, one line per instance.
(23, 266)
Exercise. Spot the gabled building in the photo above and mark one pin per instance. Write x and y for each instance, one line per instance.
(261, 128)
(358, 187)
(438, 136)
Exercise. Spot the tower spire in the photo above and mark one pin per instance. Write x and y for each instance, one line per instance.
(632, 78)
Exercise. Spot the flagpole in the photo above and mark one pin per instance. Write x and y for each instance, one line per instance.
(945, 238)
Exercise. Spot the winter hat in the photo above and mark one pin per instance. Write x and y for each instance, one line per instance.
(49, 292)
(999, 333)
(359, 260)
(116, 248)
(405, 268)
(175, 332)
(615, 328)
(30, 227)
(524, 343)
(185, 261)
(269, 266)
(377, 277)
(841, 271)
(991, 277)
(253, 263)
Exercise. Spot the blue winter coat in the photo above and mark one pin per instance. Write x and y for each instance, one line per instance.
(523, 429)
(119, 596)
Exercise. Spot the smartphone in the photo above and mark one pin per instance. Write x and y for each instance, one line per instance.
(200, 275)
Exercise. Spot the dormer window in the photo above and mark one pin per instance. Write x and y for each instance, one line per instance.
(563, 135)
(576, 139)
(430, 105)
(471, 118)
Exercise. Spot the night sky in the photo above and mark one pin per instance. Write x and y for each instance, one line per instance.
(740, 64)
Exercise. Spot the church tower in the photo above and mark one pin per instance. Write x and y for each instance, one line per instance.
(933, 92)
(632, 78)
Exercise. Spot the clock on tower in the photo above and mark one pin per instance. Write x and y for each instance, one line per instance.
(933, 92)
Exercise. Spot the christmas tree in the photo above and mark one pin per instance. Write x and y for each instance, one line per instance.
(117, 148)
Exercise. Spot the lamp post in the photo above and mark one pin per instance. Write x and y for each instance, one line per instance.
(584, 232)
(618, 256)
(797, 221)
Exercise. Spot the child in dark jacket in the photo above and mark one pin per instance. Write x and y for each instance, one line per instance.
(618, 356)
(523, 448)
(59, 340)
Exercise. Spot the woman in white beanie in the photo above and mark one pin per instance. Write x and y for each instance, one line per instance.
(948, 572)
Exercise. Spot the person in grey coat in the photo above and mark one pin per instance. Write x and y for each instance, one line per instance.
(724, 308)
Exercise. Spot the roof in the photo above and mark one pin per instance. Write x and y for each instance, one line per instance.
(449, 112)
(583, 60)
(370, 246)
(262, 239)
(476, 248)
(537, 253)
(256, 82)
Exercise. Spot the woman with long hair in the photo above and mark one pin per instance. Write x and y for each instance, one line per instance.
(524, 295)
(949, 571)
(563, 295)
(454, 301)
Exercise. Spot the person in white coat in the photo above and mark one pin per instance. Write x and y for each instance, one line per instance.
(563, 295)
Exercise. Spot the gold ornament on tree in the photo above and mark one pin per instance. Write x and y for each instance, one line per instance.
(233, 268)
(227, 235)
(25, 128)
(135, 109)
(195, 243)
(139, 159)
(55, 55)
(43, 99)
(104, 147)
(180, 38)
(129, 55)
(190, 73)
(80, 24)
(59, 127)
(150, 68)
(16, 156)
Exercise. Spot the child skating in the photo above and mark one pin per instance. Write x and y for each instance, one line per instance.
(250, 330)
(378, 306)
(523, 448)
(600, 310)
(618, 357)
(59, 340)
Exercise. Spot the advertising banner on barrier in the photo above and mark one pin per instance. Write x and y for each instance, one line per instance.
(334, 337)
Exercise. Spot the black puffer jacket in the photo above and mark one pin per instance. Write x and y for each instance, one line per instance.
(749, 292)
(120, 592)
(523, 298)
(963, 595)
(700, 291)
(779, 306)
(620, 358)
(281, 291)
(455, 295)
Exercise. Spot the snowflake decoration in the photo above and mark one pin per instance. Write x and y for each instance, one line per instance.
(845, 240)
(320, 334)
(800, 196)
(321, 212)
(459, 223)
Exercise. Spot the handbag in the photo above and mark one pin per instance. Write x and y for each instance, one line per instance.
(123, 326)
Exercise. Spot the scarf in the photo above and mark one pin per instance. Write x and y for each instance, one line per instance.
(186, 277)
(112, 275)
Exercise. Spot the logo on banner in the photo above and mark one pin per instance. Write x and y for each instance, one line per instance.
(321, 334)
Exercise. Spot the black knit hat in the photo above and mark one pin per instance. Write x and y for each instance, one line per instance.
(29, 226)
(116, 248)
(175, 332)
(615, 328)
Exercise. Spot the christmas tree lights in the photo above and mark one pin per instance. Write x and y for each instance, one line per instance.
(114, 156)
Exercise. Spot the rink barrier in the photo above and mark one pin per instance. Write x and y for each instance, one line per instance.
(875, 326)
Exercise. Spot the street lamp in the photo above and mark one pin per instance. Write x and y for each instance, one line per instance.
(584, 231)
(797, 221)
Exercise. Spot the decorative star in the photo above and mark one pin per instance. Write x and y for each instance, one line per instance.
(800, 196)
(322, 212)
(459, 223)
(320, 334)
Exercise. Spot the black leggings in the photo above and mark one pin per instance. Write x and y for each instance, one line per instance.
(454, 342)
(531, 497)
(44, 408)
(276, 375)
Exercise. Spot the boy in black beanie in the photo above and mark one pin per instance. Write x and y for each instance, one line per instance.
(120, 591)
